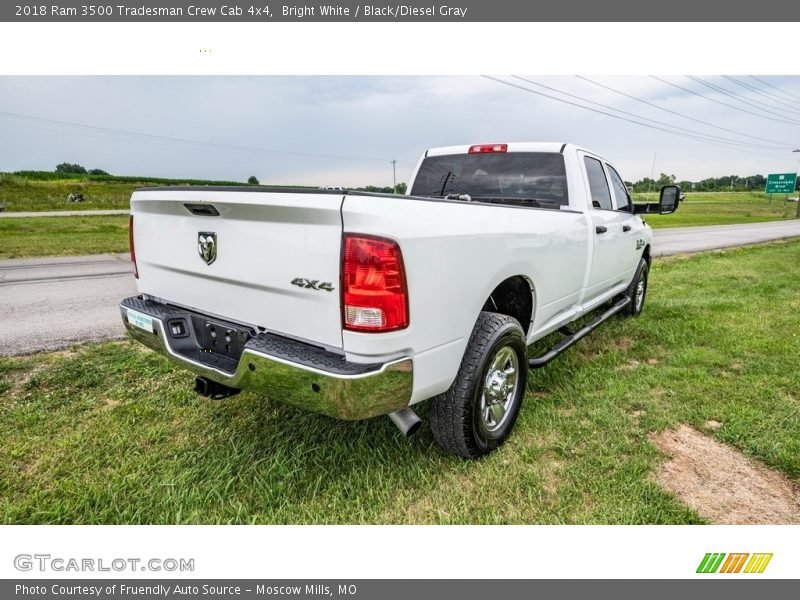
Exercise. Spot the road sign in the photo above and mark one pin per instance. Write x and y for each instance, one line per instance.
(781, 183)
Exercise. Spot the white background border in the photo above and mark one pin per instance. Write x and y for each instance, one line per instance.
(399, 48)
(429, 552)
(413, 49)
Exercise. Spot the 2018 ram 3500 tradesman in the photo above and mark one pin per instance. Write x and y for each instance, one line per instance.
(355, 305)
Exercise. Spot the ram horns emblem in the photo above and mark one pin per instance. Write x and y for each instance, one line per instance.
(207, 246)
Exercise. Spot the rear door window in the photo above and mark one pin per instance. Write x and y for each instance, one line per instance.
(598, 185)
(621, 195)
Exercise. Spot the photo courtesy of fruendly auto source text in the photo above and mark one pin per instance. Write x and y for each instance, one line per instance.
(374, 301)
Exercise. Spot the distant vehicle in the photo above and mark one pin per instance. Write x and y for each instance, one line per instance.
(356, 304)
(75, 197)
(332, 187)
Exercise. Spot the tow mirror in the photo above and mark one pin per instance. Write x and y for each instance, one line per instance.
(668, 199)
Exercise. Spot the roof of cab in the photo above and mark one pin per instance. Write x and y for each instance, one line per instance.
(512, 147)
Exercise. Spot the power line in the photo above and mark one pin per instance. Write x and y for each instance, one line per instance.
(692, 132)
(185, 141)
(714, 100)
(654, 105)
(796, 98)
(767, 95)
(738, 98)
(789, 103)
(526, 89)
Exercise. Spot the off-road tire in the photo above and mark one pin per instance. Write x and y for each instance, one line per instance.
(642, 273)
(454, 416)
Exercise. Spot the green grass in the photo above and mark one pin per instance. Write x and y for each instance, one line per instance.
(722, 208)
(43, 191)
(22, 194)
(34, 191)
(62, 236)
(65, 236)
(111, 433)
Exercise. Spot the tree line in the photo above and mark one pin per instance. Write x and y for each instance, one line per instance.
(726, 183)
(73, 169)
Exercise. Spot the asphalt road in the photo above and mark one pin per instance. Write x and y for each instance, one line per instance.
(50, 303)
(681, 240)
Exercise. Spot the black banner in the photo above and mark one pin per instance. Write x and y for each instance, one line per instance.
(198, 11)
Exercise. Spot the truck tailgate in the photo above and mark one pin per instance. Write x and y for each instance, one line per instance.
(265, 240)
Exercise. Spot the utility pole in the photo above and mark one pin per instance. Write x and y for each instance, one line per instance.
(394, 176)
(652, 173)
(797, 215)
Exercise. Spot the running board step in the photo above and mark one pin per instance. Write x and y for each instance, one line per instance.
(574, 337)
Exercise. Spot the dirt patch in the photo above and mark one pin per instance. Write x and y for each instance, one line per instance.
(623, 343)
(20, 379)
(722, 484)
(712, 424)
(550, 472)
(110, 403)
(636, 416)
(629, 366)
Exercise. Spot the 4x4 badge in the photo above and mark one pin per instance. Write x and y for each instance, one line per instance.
(639, 244)
(312, 284)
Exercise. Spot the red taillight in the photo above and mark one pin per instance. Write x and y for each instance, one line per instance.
(374, 291)
(481, 148)
(133, 248)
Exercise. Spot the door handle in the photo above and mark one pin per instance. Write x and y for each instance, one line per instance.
(626, 228)
(600, 229)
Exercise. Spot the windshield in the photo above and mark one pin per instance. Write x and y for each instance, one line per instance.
(527, 177)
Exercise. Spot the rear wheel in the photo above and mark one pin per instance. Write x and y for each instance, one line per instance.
(637, 290)
(477, 413)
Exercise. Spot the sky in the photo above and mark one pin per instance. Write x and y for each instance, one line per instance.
(326, 130)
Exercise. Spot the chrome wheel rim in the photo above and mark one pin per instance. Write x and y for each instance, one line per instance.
(640, 289)
(500, 388)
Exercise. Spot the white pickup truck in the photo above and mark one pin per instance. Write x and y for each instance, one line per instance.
(355, 304)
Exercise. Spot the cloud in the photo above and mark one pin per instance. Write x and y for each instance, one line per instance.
(359, 124)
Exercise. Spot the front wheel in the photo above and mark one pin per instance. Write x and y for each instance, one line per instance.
(477, 413)
(637, 290)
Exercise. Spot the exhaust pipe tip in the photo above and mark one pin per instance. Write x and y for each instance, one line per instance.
(406, 420)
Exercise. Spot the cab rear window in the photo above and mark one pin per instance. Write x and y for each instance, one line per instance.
(532, 178)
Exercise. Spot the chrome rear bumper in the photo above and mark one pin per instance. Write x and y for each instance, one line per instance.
(280, 368)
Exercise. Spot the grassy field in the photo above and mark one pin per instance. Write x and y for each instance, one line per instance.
(22, 194)
(722, 208)
(43, 191)
(62, 236)
(46, 236)
(111, 433)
